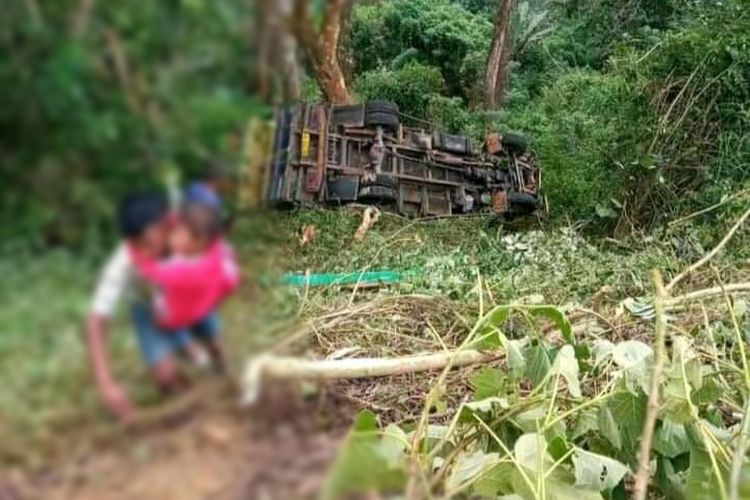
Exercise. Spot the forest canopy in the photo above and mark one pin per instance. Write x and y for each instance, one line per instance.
(637, 110)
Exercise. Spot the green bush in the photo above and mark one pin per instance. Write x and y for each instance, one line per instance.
(587, 131)
(412, 86)
(438, 33)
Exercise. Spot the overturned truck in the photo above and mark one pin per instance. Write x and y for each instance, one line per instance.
(329, 154)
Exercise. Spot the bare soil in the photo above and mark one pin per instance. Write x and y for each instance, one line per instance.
(279, 449)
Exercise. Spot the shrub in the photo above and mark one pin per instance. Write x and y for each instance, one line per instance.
(412, 86)
(587, 130)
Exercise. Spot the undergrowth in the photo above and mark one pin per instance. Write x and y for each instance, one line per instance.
(461, 265)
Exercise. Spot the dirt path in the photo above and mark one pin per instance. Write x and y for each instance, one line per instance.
(281, 449)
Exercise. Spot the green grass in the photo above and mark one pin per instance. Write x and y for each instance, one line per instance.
(47, 387)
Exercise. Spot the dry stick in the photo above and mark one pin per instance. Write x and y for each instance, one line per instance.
(301, 369)
(643, 474)
(742, 445)
(739, 454)
(708, 292)
(710, 254)
(735, 196)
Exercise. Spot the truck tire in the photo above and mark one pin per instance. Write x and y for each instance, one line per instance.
(383, 114)
(515, 142)
(381, 180)
(376, 194)
(522, 203)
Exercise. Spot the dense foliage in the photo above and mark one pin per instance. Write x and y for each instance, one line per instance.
(637, 110)
(100, 102)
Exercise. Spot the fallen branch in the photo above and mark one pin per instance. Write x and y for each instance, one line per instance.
(303, 369)
(643, 475)
(370, 216)
(710, 254)
(708, 292)
(742, 194)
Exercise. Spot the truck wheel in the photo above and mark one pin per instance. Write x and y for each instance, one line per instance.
(381, 180)
(523, 203)
(382, 113)
(377, 194)
(515, 142)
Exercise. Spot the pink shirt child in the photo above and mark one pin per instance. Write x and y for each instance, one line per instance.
(189, 288)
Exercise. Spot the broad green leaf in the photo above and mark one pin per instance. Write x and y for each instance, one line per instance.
(496, 481)
(493, 320)
(487, 382)
(588, 420)
(531, 419)
(668, 480)
(469, 466)
(631, 353)
(499, 314)
(701, 482)
(365, 462)
(516, 361)
(537, 363)
(671, 439)
(634, 358)
(482, 408)
(557, 443)
(602, 350)
(628, 412)
(685, 362)
(557, 317)
(597, 472)
(365, 421)
(436, 398)
(709, 392)
(393, 444)
(489, 335)
(609, 428)
(531, 452)
(676, 406)
(566, 365)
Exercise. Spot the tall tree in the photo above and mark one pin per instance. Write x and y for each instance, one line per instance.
(322, 46)
(495, 78)
(278, 67)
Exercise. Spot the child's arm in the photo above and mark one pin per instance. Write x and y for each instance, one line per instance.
(177, 273)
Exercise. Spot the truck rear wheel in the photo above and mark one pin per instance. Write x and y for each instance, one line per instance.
(515, 142)
(382, 114)
(377, 194)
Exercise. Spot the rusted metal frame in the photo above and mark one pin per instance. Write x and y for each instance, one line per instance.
(300, 172)
(292, 157)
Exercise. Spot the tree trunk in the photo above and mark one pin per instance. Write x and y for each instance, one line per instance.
(277, 76)
(81, 18)
(496, 76)
(323, 47)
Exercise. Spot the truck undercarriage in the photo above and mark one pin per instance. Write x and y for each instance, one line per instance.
(324, 154)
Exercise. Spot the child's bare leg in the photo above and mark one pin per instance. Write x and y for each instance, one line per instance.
(197, 355)
(167, 377)
(207, 331)
(217, 354)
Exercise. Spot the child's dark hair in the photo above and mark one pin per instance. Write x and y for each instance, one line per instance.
(137, 211)
(202, 220)
(213, 172)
